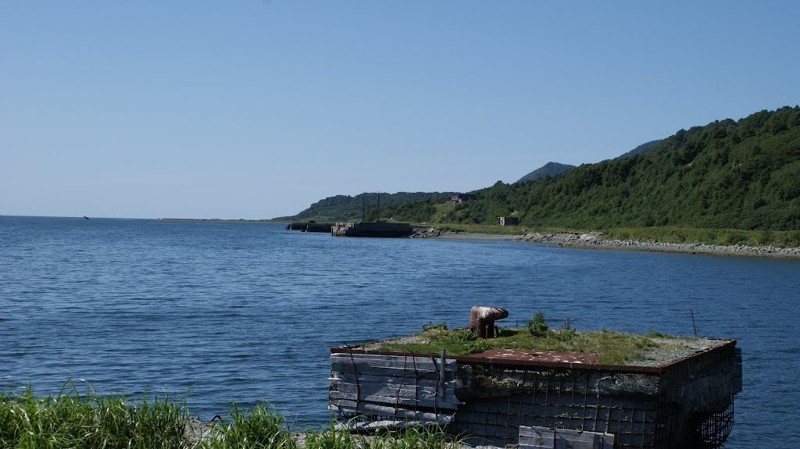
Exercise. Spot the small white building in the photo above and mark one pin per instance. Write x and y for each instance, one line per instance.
(509, 221)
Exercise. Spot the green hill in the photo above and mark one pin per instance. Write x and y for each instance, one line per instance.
(640, 149)
(551, 169)
(350, 208)
(728, 174)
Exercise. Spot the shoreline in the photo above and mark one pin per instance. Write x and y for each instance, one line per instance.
(594, 240)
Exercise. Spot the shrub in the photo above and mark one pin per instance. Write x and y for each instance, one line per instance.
(537, 325)
(434, 326)
(565, 335)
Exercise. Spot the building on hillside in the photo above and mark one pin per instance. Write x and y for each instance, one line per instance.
(461, 198)
(509, 221)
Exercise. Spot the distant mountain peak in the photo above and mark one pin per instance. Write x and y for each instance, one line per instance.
(551, 169)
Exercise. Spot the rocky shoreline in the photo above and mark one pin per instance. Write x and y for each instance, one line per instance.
(595, 240)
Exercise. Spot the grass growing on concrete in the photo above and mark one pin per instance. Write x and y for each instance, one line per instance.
(92, 421)
(611, 347)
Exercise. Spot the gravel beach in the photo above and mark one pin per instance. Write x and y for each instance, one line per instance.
(595, 240)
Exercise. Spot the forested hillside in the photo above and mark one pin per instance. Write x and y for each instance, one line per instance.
(551, 169)
(727, 174)
(640, 149)
(349, 208)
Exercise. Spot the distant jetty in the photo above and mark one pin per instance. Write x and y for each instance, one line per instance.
(361, 229)
(310, 226)
(372, 229)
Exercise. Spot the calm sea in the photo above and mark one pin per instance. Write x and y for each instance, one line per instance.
(246, 312)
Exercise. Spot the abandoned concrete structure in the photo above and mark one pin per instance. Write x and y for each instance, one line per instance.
(508, 221)
(541, 399)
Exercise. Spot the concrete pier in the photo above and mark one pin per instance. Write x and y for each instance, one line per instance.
(496, 396)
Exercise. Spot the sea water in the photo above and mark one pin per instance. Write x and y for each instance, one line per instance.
(247, 312)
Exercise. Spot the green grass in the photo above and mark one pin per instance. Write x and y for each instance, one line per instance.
(480, 228)
(261, 427)
(611, 347)
(71, 420)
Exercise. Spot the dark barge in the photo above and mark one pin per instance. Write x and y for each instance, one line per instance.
(372, 229)
(310, 226)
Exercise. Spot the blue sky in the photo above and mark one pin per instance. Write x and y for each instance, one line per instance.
(256, 108)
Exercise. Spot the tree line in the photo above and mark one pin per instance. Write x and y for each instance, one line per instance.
(728, 174)
(369, 206)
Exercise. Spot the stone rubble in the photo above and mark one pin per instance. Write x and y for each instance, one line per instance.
(596, 240)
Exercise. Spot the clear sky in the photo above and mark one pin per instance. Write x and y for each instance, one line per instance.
(256, 108)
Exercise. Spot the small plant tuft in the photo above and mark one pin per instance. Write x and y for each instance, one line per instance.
(655, 334)
(564, 335)
(434, 326)
(537, 326)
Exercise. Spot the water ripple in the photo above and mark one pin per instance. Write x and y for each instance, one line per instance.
(247, 312)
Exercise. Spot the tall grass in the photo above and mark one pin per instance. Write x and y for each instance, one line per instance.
(261, 427)
(71, 420)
